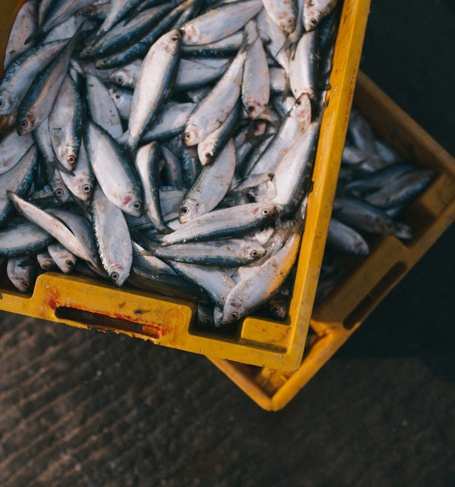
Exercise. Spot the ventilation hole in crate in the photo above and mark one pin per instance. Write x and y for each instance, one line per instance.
(375, 295)
(117, 323)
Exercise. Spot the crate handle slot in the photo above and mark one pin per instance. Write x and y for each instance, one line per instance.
(105, 323)
(372, 299)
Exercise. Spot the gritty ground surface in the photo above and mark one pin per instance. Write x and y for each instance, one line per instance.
(87, 409)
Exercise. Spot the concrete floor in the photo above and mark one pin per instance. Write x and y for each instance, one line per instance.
(96, 410)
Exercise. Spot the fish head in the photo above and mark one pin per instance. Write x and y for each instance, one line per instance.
(26, 124)
(68, 156)
(132, 204)
(267, 211)
(190, 33)
(191, 135)
(303, 111)
(172, 41)
(121, 77)
(252, 250)
(6, 102)
(85, 188)
(119, 274)
(188, 210)
(233, 311)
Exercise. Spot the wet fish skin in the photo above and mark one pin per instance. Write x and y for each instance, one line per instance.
(40, 98)
(315, 10)
(126, 76)
(65, 125)
(219, 22)
(222, 48)
(12, 149)
(63, 259)
(122, 99)
(21, 271)
(284, 14)
(22, 71)
(228, 222)
(118, 11)
(21, 237)
(346, 240)
(45, 261)
(158, 70)
(81, 181)
(148, 166)
(304, 67)
(113, 170)
(259, 283)
(211, 186)
(115, 248)
(19, 179)
(172, 168)
(223, 253)
(213, 110)
(197, 72)
(25, 25)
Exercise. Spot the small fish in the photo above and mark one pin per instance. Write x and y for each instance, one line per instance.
(197, 72)
(148, 167)
(24, 27)
(65, 125)
(113, 170)
(126, 76)
(62, 258)
(222, 253)
(21, 237)
(102, 107)
(346, 240)
(259, 283)
(227, 222)
(284, 14)
(304, 67)
(222, 48)
(216, 107)
(315, 10)
(219, 22)
(115, 247)
(45, 261)
(80, 182)
(122, 99)
(21, 271)
(211, 186)
(12, 149)
(118, 10)
(158, 71)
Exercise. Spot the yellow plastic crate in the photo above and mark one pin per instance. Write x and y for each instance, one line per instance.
(347, 307)
(87, 304)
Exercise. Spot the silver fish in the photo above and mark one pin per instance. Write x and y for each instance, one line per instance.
(211, 186)
(81, 181)
(126, 76)
(45, 261)
(21, 73)
(119, 9)
(284, 14)
(256, 77)
(196, 72)
(154, 84)
(315, 10)
(346, 240)
(62, 257)
(148, 167)
(21, 271)
(292, 169)
(60, 11)
(172, 169)
(228, 222)
(304, 67)
(24, 27)
(102, 107)
(210, 147)
(19, 179)
(79, 243)
(65, 125)
(219, 22)
(259, 283)
(21, 237)
(275, 40)
(223, 253)
(213, 110)
(115, 248)
(222, 48)
(12, 149)
(40, 98)
(216, 282)
(122, 99)
(113, 170)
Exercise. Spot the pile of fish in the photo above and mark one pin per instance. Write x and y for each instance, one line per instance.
(375, 188)
(163, 144)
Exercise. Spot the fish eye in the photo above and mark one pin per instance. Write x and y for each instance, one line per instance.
(235, 315)
(69, 263)
(59, 192)
(184, 210)
(265, 211)
(137, 205)
(114, 276)
(24, 124)
(86, 188)
(253, 253)
(71, 159)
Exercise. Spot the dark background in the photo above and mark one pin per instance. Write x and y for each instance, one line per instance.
(78, 408)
